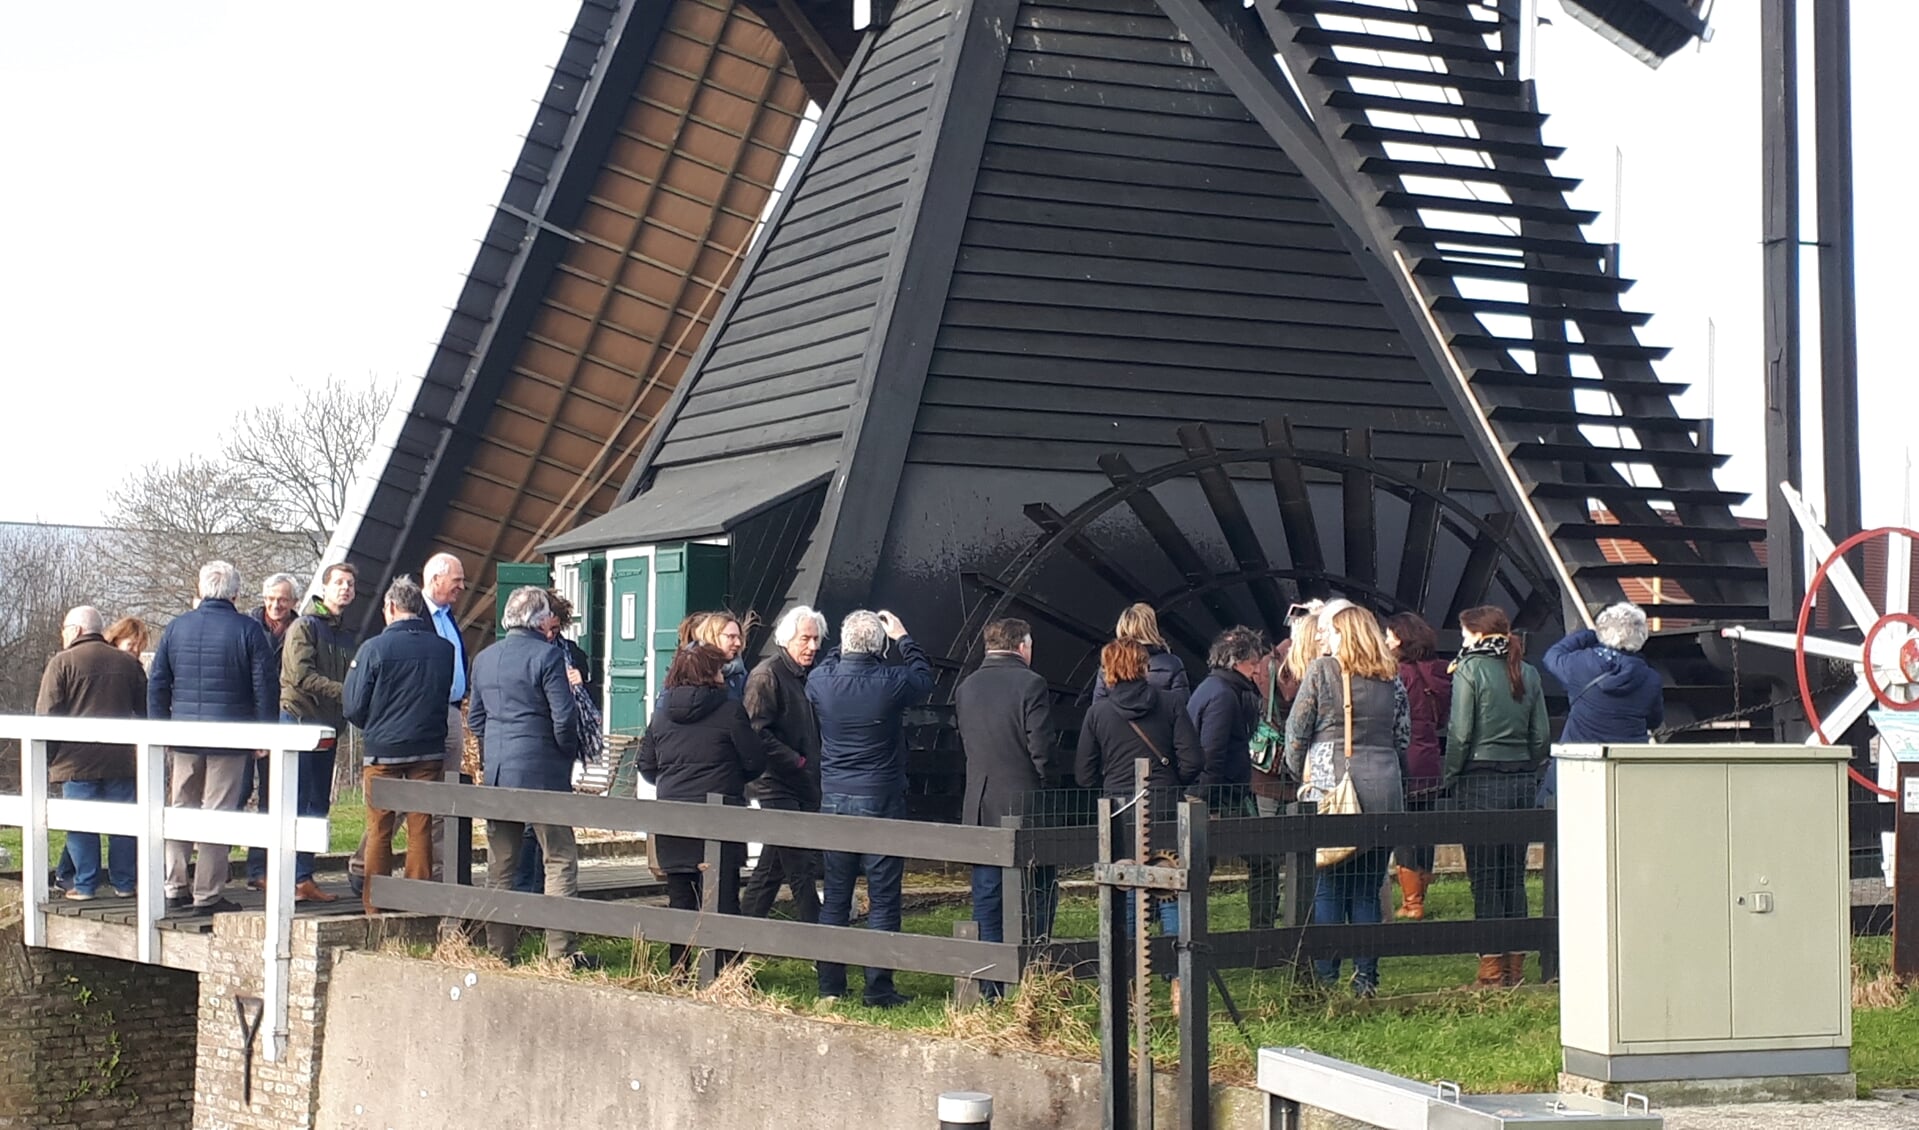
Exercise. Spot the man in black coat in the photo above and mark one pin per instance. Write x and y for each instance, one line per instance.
(395, 693)
(776, 704)
(520, 705)
(1006, 730)
(214, 664)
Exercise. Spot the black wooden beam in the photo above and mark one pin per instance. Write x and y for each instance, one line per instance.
(1122, 580)
(1280, 835)
(1476, 579)
(1838, 315)
(1359, 513)
(1171, 540)
(1779, 242)
(1241, 538)
(1422, 537)
(1295, 506)
(1046, 611)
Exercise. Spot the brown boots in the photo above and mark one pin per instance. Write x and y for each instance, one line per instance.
(1412, 893)
(1500, 971)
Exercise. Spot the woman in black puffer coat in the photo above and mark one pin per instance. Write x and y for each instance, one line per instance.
(698, 742)
(1140, 624)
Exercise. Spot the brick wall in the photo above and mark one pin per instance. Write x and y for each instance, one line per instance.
(285, 1094)
(91, 1043)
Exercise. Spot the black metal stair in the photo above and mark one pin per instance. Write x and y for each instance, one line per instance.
(1433, 75)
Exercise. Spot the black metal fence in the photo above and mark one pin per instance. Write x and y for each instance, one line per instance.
(1026, 850)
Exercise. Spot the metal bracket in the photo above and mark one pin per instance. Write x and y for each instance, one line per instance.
(1141, 876)
(536, 221)
(249, 1028)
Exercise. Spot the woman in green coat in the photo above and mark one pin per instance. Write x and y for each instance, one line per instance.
(1495, 745)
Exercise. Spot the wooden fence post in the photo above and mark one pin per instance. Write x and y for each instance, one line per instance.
(710, 880)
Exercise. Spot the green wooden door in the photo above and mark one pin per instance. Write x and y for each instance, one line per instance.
(510, 575)
(628, 614)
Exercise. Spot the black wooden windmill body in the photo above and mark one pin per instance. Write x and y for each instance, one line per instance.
(1072, 303)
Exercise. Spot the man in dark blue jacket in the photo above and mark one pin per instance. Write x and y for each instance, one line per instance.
(521, 707)
(1616, 697)
(214, 664)
(860, 702)
(396, 693)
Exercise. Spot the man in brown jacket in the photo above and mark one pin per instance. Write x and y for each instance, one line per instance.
(91, 678)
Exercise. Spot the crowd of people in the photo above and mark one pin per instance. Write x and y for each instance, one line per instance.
(1349, 713)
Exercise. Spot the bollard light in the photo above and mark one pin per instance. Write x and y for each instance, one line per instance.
(965, 1110)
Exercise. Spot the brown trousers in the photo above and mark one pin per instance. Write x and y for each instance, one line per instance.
(380, 822)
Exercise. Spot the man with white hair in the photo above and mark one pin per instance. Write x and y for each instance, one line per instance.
(214, 664)
(91, 678)
(1615, 697)
(861, 704)
(777, 706)
(522, 708)
(279, 608)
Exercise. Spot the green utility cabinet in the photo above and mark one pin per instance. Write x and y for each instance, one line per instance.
(1704, 912)
(649, 590)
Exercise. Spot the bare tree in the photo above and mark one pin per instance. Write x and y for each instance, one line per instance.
(173, 518)
(44, 571)
(296, 458)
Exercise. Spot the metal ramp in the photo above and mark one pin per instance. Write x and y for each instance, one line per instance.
(1295, 1077)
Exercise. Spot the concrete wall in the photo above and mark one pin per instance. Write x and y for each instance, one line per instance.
(91, 1043)
(412, 1043)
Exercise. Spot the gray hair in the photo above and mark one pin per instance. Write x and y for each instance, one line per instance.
(1622, 627)
(276, 580)
(219, 581)
(405, 596)
(85, 617)
(789, 625)
(1235, 646)
(862, 634)
(437, 564)
(1332, 608)
(526, 608)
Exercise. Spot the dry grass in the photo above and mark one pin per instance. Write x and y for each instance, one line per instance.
(1878, 990)
(1045, 1015)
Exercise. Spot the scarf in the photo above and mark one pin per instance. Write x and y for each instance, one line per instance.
(1494, 647)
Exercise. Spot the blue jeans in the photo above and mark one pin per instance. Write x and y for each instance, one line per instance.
(531, 879)
(1349, 892)
(883, 873)
(1041, 903)
(314, 796)
(84, 847)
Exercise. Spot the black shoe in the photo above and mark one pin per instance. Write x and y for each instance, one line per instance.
(179, 902)
(583, 962)
(217, 906)
(890, 1000)
(1364, 989)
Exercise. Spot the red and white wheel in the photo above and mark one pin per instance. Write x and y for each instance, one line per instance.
(1885, 657)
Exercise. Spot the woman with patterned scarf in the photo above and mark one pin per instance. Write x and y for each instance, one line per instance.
(1495, 745)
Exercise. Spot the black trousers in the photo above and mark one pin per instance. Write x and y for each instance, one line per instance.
(798, 868)
(1497, 871)
(683, 890)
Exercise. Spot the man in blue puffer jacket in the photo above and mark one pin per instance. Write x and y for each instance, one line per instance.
(214, 664)
(1617, 698)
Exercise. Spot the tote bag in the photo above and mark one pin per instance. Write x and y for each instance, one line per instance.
(1342, 799)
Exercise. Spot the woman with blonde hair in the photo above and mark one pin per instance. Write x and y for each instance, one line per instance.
(1139, 624)
(722, 631)
(1351, 720)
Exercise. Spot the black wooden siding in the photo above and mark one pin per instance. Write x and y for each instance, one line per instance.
(1139, 253)
(764, 555)
(784, 370)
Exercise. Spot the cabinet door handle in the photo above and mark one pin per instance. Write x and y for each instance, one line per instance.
(1758, 902)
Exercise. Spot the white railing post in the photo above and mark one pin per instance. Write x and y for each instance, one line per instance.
(283, 783)
(150, 794)
(33, 841)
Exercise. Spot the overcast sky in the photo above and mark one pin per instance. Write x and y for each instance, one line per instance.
(207, 201)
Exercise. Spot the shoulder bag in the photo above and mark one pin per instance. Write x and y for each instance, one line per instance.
(1342, 799)
(1269, 739)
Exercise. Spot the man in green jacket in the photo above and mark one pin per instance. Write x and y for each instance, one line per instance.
(313, 666)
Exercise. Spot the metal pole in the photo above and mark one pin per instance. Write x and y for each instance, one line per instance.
(1112, 984)
(1905, 877)
(283, 789)
(1779, 85)
(33, 842)
(1838, 330)
(965, 1110)
(1195, 1050)
(150, 897)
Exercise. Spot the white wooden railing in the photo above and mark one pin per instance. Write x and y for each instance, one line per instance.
(151, 822)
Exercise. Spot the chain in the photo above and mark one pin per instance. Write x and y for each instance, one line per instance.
(1739, 710)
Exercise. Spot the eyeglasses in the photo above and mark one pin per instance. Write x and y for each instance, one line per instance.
(1301, 610)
